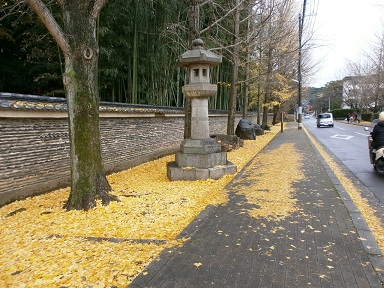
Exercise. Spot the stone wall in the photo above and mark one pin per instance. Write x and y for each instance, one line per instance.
(34, 152)
(34, 143)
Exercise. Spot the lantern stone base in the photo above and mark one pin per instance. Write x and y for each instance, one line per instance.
(200, 146)
(199, 159)
(176, 173)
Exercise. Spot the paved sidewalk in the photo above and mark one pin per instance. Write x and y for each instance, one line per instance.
(319, 246)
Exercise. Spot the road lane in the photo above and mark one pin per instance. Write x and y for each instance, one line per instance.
(350, 145)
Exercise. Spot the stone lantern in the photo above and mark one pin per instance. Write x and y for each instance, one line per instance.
(200, 157)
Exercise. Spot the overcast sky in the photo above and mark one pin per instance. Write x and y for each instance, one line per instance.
(345, 28)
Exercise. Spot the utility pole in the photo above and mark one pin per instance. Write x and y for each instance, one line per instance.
(301, 24)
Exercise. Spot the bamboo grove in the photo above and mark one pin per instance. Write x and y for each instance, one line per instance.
(140, 42)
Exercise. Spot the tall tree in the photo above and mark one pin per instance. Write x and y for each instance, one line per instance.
(276, 55)
(235, 70)
(332, 93)
(138, 51)
(248, 57)
(375, 97)
(193, 33)
(77, 39)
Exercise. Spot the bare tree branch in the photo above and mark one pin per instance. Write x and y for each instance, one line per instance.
(49, 21)
(222, 18)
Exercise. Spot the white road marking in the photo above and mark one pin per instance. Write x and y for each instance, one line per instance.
(362, 134)
(340, 128)
(345, 137)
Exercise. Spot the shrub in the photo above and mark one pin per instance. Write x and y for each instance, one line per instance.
(341, 113)
(367, 116)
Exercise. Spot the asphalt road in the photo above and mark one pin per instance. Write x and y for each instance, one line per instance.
(350, 145)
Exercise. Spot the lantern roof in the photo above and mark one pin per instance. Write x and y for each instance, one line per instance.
(199, 55)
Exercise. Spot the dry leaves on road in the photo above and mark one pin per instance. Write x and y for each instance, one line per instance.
(41, 245)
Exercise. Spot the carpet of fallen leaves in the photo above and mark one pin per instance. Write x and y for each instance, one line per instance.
(42, 245)
(275, 199)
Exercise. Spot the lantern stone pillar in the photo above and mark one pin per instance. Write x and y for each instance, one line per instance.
(200, 157)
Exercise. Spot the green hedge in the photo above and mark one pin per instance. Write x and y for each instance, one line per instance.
(342, 114)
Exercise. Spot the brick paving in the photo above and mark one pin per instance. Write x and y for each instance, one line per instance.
(326, 243)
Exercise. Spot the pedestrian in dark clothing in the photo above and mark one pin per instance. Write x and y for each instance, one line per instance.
(348, 117)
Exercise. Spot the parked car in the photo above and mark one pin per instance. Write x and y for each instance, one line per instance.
(325, 119)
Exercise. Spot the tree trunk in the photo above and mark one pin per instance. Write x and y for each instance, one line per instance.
(78, 41)
(268, 89)
(88, 180)
(258, 104)
(275, 114)
(235, 73)
(264, 122)
(248, 58)
(246, 88)
(193, 33)
(135, 58)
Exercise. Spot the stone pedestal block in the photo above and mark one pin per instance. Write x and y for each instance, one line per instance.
(203, 153)
(199, 118)
(201, 160)
(200, 146)
(176, 173)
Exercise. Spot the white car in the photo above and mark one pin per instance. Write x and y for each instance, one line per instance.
(325, 119)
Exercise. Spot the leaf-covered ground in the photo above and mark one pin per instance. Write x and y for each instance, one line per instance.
(41, 245)
(275, 199)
